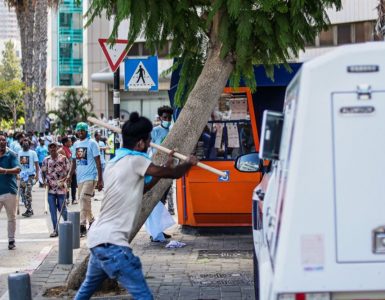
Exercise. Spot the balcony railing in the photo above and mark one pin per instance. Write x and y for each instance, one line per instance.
(70, 66)
(70, 6)
(70, 35)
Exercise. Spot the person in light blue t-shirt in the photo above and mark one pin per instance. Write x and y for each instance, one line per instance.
(41, 151)
(160, 219)
(16, 144)
(86, 161)
(29, 173)
(102, 148)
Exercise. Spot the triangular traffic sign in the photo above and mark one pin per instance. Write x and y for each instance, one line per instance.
(141, 79)
(114, 54)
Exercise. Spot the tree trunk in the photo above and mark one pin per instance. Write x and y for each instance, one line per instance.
(14, 112)
(25, 18)
(380, 26)
(40, 63)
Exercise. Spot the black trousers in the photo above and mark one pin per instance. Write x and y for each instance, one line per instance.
(74, 185)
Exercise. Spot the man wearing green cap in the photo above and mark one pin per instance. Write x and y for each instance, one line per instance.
(86, 161)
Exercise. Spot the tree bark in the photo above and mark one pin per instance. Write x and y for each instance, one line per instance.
(380, 26)
(26, 18)
(14, 112)
(40, 64)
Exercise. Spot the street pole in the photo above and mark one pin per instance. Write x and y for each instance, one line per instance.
(116, 99)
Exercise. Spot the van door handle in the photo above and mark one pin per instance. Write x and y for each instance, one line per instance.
(271, 221)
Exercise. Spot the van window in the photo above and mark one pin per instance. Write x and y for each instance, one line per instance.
(285, 154)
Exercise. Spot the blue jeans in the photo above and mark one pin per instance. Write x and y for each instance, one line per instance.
(56, 202)
(115, 262)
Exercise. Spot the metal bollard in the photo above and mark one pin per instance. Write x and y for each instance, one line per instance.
(74, 217)
(65, 243)
(19, 286)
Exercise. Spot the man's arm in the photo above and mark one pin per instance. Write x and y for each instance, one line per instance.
(100, 184)
(171, 172)
(44, 171)
(37, 168)
(72, 169)
(62, 152)
(13, 171)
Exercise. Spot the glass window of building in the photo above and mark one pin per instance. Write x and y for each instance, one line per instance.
(344, 34)
(364, 32)
(134, 51)
(326, 38)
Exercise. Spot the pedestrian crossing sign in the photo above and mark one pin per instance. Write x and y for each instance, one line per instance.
(141, 74)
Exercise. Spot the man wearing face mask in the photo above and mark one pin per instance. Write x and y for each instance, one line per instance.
(159, 219)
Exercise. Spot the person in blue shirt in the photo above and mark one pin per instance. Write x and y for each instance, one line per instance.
(16, 144)
(160, 219)
(41, 151)
(86, 162)
(9, 138)
(9, 168)
(102, 148)
(29, 174)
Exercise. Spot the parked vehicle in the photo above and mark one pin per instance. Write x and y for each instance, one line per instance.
(322, 232)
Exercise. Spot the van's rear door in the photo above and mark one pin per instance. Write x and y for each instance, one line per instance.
(358, 134)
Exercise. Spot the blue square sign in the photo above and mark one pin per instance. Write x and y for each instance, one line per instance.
(141, 74)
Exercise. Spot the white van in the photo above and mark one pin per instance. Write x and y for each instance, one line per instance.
(323, 230)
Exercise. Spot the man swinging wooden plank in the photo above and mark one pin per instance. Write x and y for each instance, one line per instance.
(127, 177)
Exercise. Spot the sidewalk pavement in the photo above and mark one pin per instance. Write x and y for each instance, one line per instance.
(210, 266)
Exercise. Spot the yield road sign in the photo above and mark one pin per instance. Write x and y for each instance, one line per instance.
(114, 54)
(141, 74)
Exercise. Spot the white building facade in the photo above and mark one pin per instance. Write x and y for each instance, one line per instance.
(9, 28)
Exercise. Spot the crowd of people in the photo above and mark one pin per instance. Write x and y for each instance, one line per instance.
(70, 167)
(65, 165)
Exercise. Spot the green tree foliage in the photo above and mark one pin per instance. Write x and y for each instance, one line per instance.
(251, 32)
(12, 89)
(10, 64)
(11, 100)
(74, 106)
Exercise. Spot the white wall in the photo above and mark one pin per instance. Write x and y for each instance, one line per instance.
(354, 11)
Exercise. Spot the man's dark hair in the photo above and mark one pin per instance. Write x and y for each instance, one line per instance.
(73, 139)
(165, 109)
(64, 140)
(135, 129)
(19, 136)
(2, 133)
(97, 133)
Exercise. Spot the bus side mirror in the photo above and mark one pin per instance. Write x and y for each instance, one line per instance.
(248, 162)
